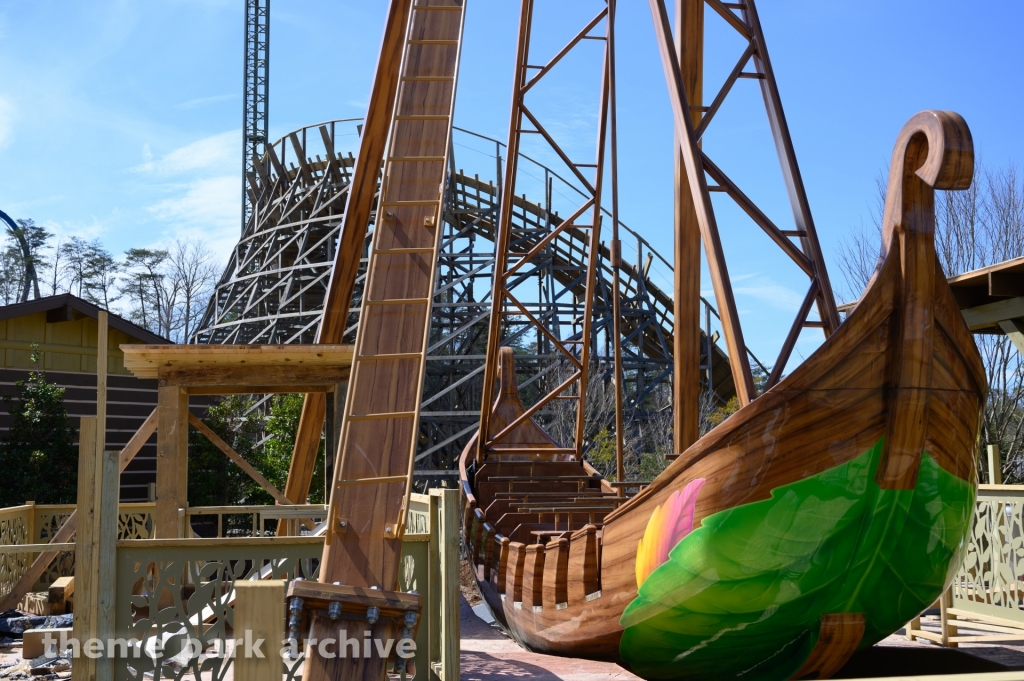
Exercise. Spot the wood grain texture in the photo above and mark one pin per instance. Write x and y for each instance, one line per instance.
(838, 638)
(686, 339)
(373, 474)
(171, 460)
(259, 609)
(903, 369)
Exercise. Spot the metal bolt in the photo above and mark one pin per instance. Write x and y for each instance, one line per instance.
(410, 618)
(372, 614)
(334, 610)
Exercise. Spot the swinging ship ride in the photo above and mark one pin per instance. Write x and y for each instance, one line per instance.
(813, 522)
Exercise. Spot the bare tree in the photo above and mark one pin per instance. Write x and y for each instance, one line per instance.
(168, 289)
(974, 228)
(193, 272)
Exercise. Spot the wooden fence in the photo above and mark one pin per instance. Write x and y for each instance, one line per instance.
(181, 591)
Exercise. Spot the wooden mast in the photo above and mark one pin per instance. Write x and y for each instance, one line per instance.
(376, 454)
(358, 207)
(686, 338)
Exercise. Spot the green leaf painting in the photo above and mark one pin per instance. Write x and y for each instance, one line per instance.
(741, 596)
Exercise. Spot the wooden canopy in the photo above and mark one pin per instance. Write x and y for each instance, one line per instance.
(224, 369)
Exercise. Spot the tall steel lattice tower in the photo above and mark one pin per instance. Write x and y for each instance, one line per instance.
(255, 100)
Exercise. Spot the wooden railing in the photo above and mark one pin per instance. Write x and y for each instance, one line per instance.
(987, 593)
(182, 589)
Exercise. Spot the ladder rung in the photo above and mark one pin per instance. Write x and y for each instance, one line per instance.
(384, 480)
(428, 79)
(446, 8)
(389, 356)
(401, 251)
(422, 117)
(413, 159)
(498, 449)
(381, 416)
(398, 301)
(793, 232)
(432, 42)
(756, 76)
(421, 202)
(814, 325)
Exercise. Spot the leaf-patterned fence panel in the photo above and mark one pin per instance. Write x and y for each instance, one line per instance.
(182, 595)
(990, 581)
(134, 521)
(15, 525)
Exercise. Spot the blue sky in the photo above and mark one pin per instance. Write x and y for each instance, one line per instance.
(120, 120)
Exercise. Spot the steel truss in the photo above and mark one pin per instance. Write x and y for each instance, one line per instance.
(255, 94)
(274, 286)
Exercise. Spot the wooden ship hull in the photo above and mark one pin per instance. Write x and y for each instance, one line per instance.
(812, 523)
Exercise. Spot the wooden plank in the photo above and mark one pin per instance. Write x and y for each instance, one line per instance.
(987, 316)
(686, 336)
(259, 614)
(171, 460)
(101, 382)
(450, 593)
(249, 378)
(237, 458)
(36, 548)
(358, 206)
(58, 594)
(86, 547)
(105, 556)
(138, 440)
(146, 361)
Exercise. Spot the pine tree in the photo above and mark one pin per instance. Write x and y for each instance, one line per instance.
(38, 457)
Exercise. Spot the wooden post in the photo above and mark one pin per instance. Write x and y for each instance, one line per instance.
(101, 382)
(947, 628)
(689, 43)
(95, 553)
(259, 609)
(995, 466)
(449, 549)
(84, 668)
(105, 556)
(171, 460)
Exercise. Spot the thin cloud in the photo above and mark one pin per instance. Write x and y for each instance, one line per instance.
(769, 291)
(216, 153)
(6, 122)
(203, 101)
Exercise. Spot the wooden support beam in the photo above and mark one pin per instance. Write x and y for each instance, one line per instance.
(237, 458)
(95, 559)
(719, 273)
(101, 381)
(686, 337)
(171, 460)
(358, 208)
(995, 465)
(259, 609)
(59, 593)
(1014, 330)
(86, 546)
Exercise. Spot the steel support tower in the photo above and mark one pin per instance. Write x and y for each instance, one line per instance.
(255, 96)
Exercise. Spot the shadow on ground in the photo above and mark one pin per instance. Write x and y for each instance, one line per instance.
(881, 661)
